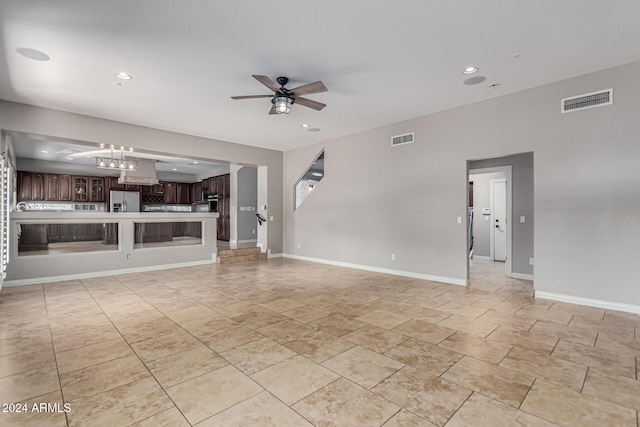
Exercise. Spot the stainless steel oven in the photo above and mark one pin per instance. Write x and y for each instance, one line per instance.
(212, 200)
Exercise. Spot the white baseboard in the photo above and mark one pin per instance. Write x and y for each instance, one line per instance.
(480, 257)
(248, 241)
(66, 277)
(450, 280)
(522, 276)
(270, 255)
(609, 305)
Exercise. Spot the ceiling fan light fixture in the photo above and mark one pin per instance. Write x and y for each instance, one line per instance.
(282, 104)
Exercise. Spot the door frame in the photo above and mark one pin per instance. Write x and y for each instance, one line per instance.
(492, 218)
(508, 176)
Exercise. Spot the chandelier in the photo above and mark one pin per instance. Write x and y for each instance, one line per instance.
(116, 164)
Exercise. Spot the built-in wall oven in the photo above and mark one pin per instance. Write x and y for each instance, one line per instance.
(212, 200)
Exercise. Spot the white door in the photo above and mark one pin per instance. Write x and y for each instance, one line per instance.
(499, 223)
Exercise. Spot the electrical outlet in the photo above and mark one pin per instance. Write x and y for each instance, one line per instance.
(253, 231)
(530, 261)
(298, 245)
(128, 256)
(393, 257)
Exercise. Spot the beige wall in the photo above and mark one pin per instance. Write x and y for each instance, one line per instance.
(376, 200)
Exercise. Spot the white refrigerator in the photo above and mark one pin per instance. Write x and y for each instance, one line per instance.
(124, 201)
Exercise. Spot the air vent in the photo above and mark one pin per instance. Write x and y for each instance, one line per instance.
(588, 100)
(407, 138)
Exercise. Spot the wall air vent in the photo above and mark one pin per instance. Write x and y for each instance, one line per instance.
(407, 138)
(588, 100)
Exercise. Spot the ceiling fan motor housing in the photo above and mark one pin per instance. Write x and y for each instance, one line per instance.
(282, 81)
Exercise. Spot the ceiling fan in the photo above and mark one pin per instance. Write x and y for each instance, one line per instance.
(283, 98)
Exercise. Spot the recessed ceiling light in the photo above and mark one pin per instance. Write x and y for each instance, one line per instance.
(195, 163)
(124, 76)
(316, 174)
(32, 54)
(174, 169)
(69, 158)
(304, 125)
(44, 151)
(470, 70)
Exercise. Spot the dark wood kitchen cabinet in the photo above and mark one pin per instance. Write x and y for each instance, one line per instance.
(111, 182)
(150, 232)
(170, 193)
(30, 186)
(88, 189)
(80, 189)
(74, 232)
(177, 193)
(183, 193)
(196, 192)
(224, 219)
(153, 189)
(58, 188)
(96, 189)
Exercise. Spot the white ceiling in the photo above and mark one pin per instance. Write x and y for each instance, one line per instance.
(382, 61)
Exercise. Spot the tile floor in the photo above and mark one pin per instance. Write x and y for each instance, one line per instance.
(292, 343)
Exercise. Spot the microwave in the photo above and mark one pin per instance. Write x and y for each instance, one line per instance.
(212, 201)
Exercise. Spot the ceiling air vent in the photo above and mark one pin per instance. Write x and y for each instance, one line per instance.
(588, 100)
(407, 138)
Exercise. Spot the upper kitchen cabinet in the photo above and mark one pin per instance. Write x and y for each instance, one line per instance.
(30, 186)
(153, 189)
(113, 184)
(219, 185)
(88, 189)
(58, 188)
(80, 189)
(96, 189)
(170, 193)
(183, 194)
(196, 192)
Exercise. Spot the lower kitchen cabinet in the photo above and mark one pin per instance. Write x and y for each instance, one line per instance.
(57, 233)
(150, 232)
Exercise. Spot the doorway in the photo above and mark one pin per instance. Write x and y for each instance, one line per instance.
(490, 215)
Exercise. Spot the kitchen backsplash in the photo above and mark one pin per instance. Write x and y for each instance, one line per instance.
(59, 206)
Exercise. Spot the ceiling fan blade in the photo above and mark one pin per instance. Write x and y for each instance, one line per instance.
(251, 96)
(267, 82)
(309, 103)
(315, 87)
(273, 110)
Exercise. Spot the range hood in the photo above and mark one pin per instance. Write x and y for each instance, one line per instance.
(144, 175)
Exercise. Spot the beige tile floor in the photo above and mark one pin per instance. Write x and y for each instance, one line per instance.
(287, 342)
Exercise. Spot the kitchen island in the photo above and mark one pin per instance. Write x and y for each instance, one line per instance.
(117, 243)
